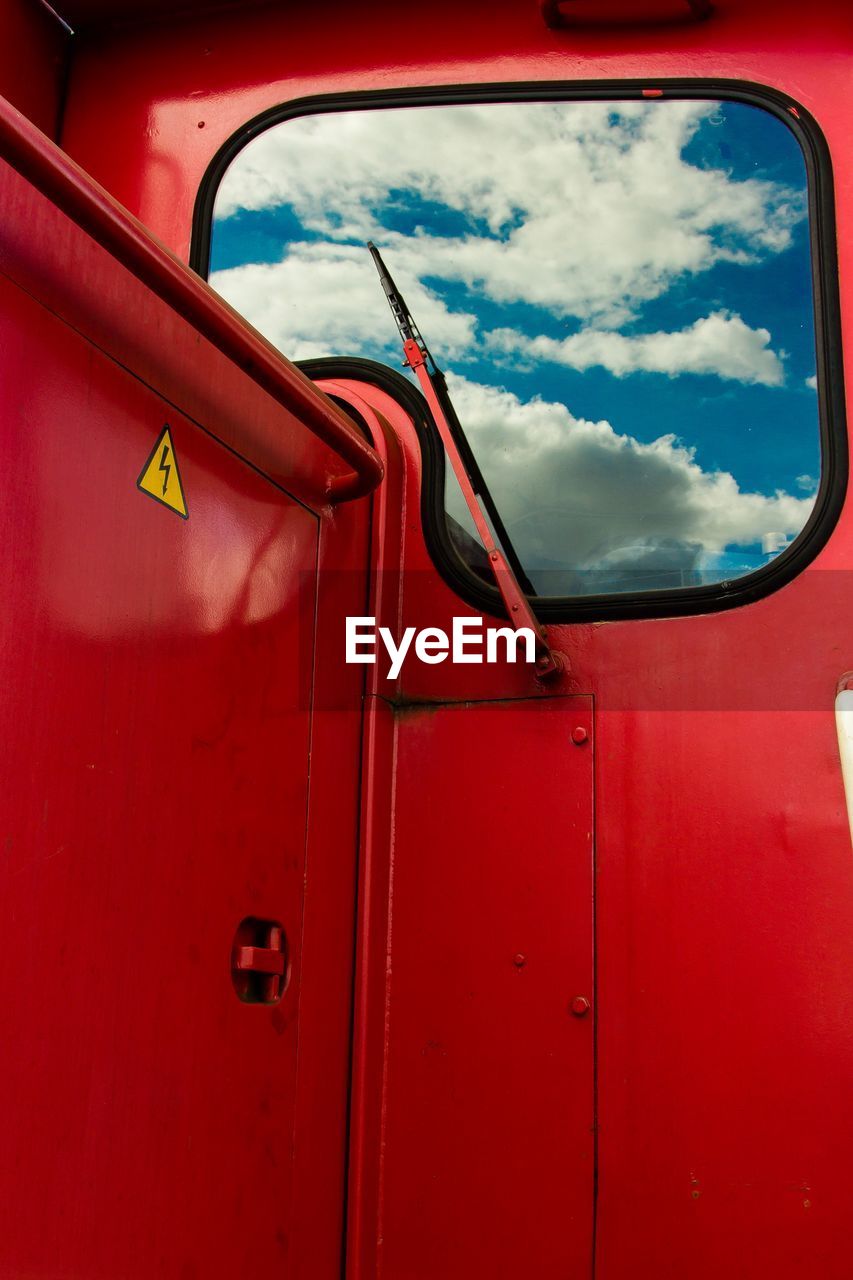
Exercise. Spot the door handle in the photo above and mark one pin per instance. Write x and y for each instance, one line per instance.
(259, 961)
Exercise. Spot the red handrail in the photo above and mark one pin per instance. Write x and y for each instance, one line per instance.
(56, 176)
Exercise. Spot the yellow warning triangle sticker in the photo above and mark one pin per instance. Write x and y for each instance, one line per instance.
(160, 477)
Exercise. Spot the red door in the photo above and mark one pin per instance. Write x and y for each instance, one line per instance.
(156, 675)
(486, 1160)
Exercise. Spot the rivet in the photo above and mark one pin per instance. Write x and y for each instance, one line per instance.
(519, 961)
(580, 1006)
(579, 735)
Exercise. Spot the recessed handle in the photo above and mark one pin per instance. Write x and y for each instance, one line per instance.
(259, 961)
(557, 14)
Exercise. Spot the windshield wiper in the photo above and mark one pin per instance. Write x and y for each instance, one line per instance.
(510, 579)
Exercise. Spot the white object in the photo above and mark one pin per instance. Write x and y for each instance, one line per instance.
(844, 724)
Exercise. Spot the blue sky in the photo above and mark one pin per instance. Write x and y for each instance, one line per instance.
(621, 292)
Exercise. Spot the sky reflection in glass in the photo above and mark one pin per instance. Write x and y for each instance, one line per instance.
(620, 291)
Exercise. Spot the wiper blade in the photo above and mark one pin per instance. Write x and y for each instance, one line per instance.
(511, 580)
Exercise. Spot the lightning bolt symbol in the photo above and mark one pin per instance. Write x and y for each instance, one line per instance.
(165, 467)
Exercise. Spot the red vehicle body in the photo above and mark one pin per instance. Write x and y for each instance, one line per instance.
(567, 968)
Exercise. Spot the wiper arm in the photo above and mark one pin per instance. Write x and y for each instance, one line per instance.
(505, 565)
(409, 332)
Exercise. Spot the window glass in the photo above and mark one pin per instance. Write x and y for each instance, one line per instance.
(619, 292)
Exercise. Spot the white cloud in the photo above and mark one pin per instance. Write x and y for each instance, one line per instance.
(588, 209)
(577, 495)
(326, 299)
(811, 382)
(720, 343)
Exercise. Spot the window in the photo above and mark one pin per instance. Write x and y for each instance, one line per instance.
(620, 293)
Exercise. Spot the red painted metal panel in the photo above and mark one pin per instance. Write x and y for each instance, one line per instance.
(123, 317)
(159, 678)
(370, 1014)
(328, 943)
(61, 181)
(176, 94)
(156, 677)
(724, 913)
(34, 50)
(100, 347)
(726, 1052)
(83, 14)
(725, 904)
(487, 1119)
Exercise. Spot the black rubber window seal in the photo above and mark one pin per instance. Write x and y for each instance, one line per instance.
(830, 378)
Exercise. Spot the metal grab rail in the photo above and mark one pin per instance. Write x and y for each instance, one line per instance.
(53, 173)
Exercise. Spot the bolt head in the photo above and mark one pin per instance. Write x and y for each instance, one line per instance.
(580, 1006)
(579, 735)
(519, 961)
